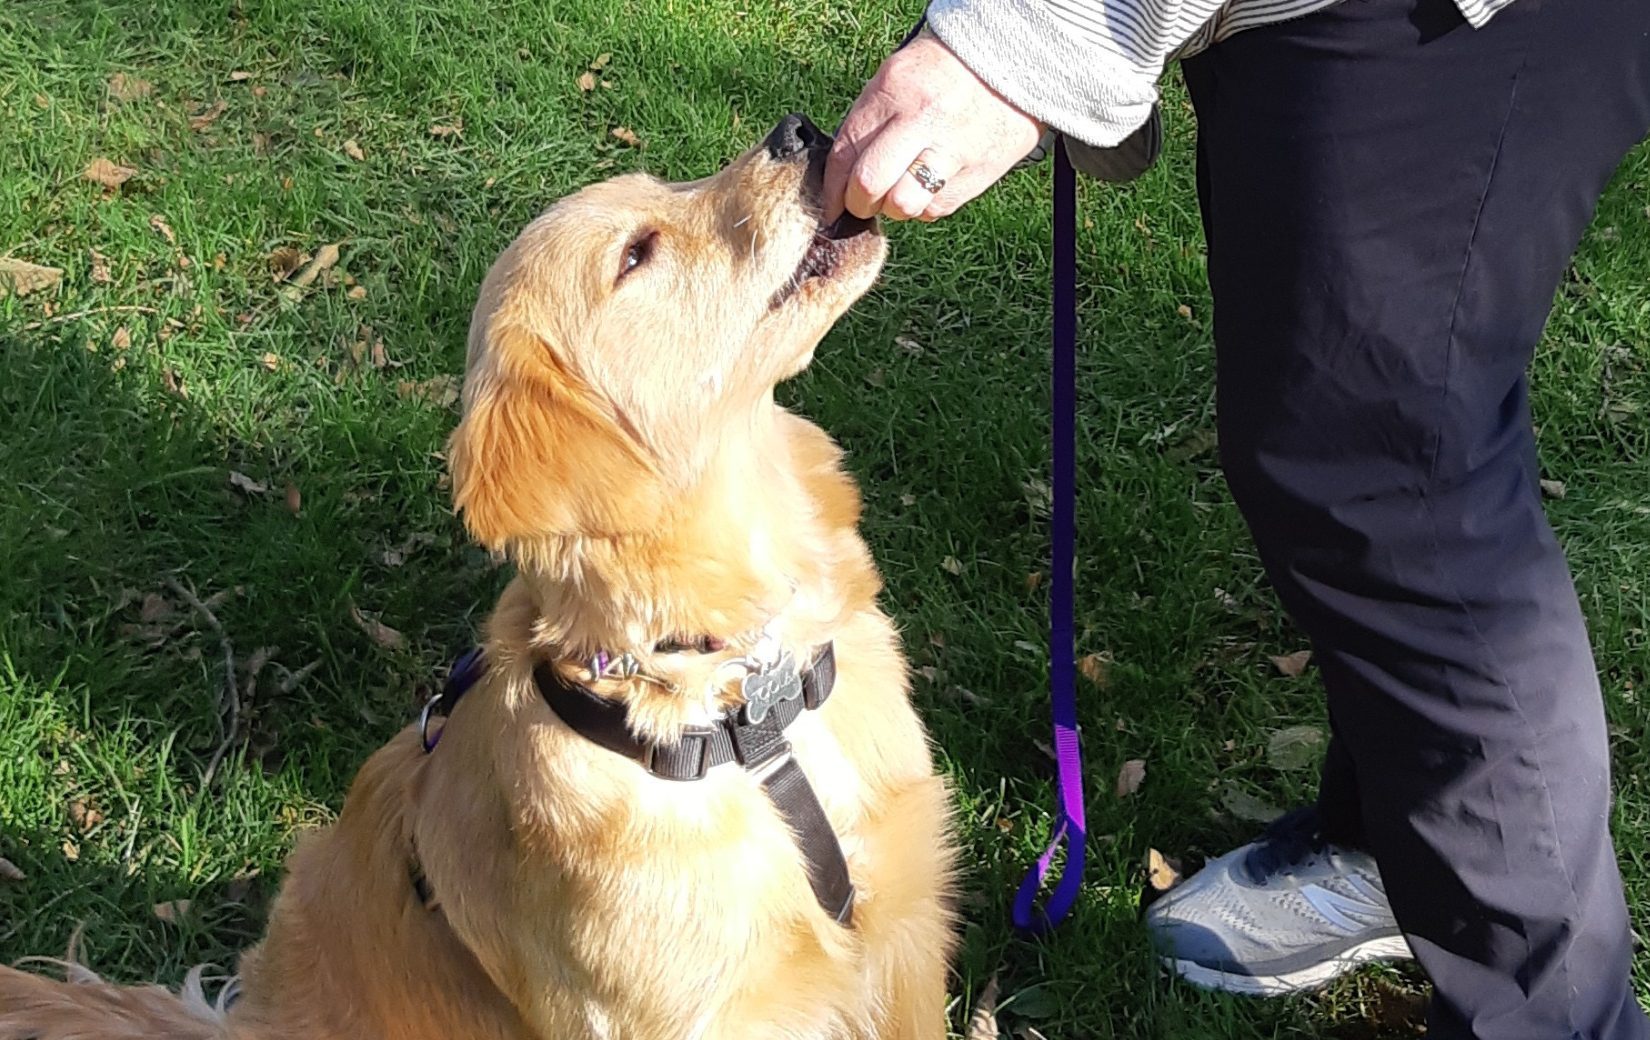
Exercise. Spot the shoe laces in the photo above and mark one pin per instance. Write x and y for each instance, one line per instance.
(1291, 841)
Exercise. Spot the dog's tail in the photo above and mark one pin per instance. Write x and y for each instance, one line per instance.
(35, 1007)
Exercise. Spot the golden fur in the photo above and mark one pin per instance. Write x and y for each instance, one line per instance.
(620, 443)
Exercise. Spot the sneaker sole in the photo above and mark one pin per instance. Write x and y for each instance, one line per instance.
(1385, 949)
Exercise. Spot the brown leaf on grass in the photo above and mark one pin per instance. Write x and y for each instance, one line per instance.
(376, 630)
(380, 357)
(324, 259)
(71, 850)
(601, 62)
(9, 871)
(1295, 747)
(1293, 664)
(908, 500)
(159, 223)
(21, 277)
(441, 391)
(909, 345)
(587, 82)
(110, 175)
(259, 90)
(239, 76)
(1162, 872)
(453, 129)
(155, 608)
(951, 565)
(284, 260)
(1096, 668)
(1130, 777)
(1247, 807)
(1185, 311)
(294, 499)
(246, 485)
(271, 361)
(129, 88)
(122, 339)
(1553, 489)
(209, 116)
(172, 911)
(84, 815)
(982, 1021)
(352, 148)
(357, 292)
(100, 269)
(1034, 581)
(628, 136)
(173, 383)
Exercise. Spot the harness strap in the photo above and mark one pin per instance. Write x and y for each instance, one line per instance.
(759, 747)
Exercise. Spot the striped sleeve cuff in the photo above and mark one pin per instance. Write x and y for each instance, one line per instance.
(1088, 68)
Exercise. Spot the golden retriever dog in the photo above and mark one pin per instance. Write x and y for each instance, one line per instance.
(620, 444)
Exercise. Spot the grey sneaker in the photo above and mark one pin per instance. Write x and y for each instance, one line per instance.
(1285, 913)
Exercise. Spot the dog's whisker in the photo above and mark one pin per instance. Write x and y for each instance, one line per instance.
(742, 221)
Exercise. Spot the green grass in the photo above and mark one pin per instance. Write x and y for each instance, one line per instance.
(113, 480)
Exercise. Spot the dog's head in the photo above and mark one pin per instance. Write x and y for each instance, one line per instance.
(635, 325)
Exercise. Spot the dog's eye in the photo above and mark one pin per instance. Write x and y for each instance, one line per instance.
(638, 252)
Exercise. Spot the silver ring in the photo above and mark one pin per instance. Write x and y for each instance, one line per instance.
(931, 182)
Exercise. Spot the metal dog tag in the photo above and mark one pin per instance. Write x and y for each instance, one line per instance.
(768, 687)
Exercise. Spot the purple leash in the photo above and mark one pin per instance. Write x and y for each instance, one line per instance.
(1070, 827)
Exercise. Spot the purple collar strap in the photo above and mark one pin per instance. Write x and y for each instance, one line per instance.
(1070, 826)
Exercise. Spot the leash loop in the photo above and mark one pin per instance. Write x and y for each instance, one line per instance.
(1070, 828)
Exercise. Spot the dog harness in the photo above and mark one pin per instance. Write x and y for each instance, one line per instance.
(753, 736)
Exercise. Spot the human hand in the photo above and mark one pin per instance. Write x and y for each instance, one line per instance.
(923, 106)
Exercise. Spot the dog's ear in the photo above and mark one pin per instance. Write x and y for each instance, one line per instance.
(537, 457)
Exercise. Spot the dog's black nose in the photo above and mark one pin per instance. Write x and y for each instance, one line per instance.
(794, 134)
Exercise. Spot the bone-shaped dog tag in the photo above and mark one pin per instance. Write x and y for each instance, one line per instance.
(767, 688)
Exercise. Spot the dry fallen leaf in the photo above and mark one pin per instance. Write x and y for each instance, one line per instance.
(908, 500)
(84, 815)
(1247, 807)
(100, 269)
(982, 1021)
(22, 277)
(324, 258)
(376, 630)
(380, 357)
(173, 383)
(587, 82)
(1293, 664)
(208, 117)
(1162, 873)
(159, 223)
(441, 391)
(242, 482)
(1034, 580)
(352, 148)
(155, 608)
(1185, 311)
(1553, 489)
(239, 76)
(9, 871)
(110, 175)
(71, 850)
(455, 129)
(122, 339)
(173, 911)
(601, 62)
(272, 361)
(909, 345)
(1295, 747)
(294, 499)
(1130, 777)
(358, 292)
(1096, 668)
(951, 565)
(628, 136)
(284, 260)
(129, 88)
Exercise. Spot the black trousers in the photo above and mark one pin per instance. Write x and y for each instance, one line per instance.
(1391, 198)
